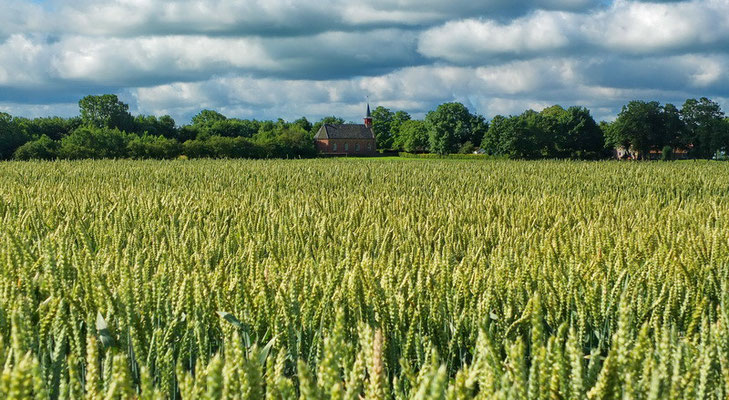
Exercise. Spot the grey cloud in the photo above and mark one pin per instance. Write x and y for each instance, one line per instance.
(271, 58)
(152, 60)
(278, 17)
(631, 28)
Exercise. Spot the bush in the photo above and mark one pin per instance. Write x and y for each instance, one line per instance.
(197, 149)
(222, 147)
(157, 147)
(466, 148)
(238, 147)
(667, 153)
(451, 156)
(288, 144)
(11, 136)
(90, 142)
(44, 148)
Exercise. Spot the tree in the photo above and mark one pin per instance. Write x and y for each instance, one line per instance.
(156, 147)
(640, 126)
(232, 128)
(11, 136)
(151, 125)
(675, 128)
(449, 126)
(207, 117)
(479, 127)
(90, 142)
(304, 124)
(412, 136)
(398, 120)
(43, 148)
(514, 137)
(382, 119)
(584, 138)
(53, 127)
(704, 127)
(106, 111)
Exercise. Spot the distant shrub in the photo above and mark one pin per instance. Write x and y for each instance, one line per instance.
(466, 148)
(222, 147)
(667, 153)
(44, 148)
(450, 156)
(91, 142)
(157, 147)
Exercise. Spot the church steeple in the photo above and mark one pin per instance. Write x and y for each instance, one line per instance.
(368, 118)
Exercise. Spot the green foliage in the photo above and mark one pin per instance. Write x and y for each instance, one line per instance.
(54, 127)
(151, 125)
(207, 118)
(157, 147)
(667, 153)
(432, 156)
(97, 143)
(705, 127)
(451, 125)
(11, 136)
(514, 137)
(106, 111)
(221, 147)
(41, 149)
(466, 148)
(361, 279)
(644, 126)
(382, 120)
(552, 133)
(412, 136)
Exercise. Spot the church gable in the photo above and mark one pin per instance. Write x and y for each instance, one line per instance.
(345, 131)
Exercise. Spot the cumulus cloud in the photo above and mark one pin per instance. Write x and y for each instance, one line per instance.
(280, 17)
(626, 28)
(271, 58)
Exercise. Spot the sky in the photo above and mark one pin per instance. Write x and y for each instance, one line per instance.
(267, 59)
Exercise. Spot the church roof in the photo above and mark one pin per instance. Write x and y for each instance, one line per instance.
(346, 131)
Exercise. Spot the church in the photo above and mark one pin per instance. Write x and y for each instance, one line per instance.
(347, 139)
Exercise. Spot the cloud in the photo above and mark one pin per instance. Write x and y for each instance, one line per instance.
(624, 28)
(279, 17)
(287, 58)
(22, 61)
(476, 40)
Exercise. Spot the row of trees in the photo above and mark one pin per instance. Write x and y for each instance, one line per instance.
(106, 129)
(699, 129)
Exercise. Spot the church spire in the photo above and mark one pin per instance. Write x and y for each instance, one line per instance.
(368, 118)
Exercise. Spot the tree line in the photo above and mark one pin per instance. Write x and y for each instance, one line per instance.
(105, 128)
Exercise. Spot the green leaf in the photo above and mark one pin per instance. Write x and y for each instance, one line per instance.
(230, 318)
(103, 329)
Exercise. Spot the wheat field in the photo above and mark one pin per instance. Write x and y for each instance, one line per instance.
(364, 279)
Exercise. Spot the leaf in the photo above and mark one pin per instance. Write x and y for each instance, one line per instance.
(263, 355)
(103, 329)
(230, 318)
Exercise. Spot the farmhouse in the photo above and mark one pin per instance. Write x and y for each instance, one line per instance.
(347, 139)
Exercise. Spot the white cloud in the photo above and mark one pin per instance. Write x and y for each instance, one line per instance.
(124, 60)
(21, 61)
(262, 17)
(654, 27)
(271, 58)
(462, 41)
(625, 28)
